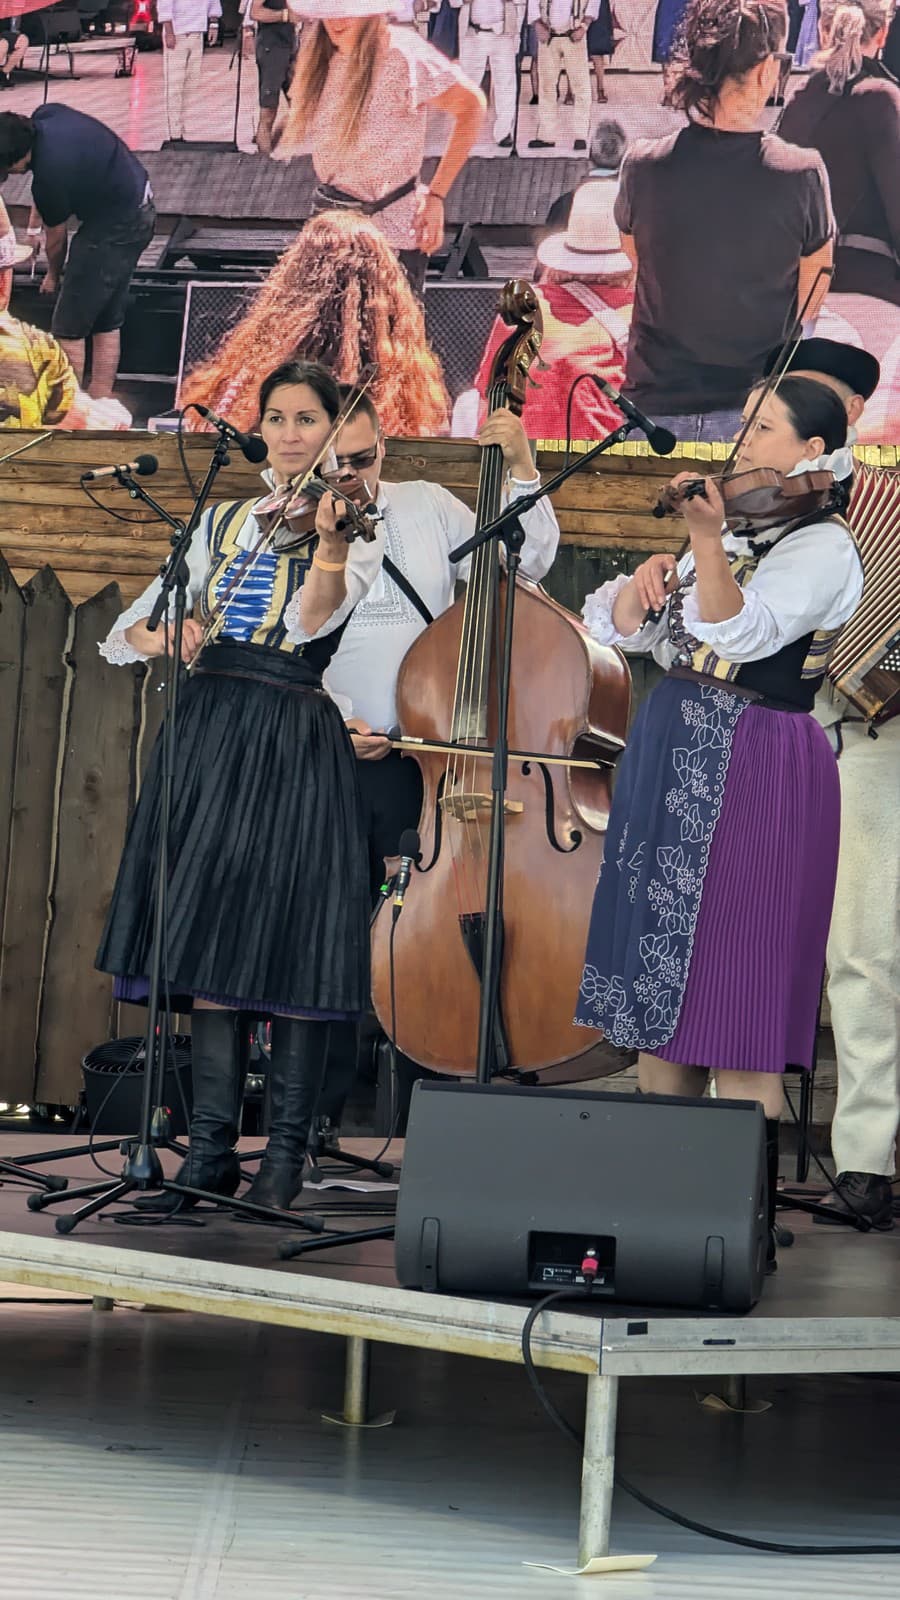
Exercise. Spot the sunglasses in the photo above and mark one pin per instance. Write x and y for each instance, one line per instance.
(359, 461)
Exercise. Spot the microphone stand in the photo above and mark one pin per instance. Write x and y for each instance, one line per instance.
(142, 1170)
(505, 528)
(514, 151)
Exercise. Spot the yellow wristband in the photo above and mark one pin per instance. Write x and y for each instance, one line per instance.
(328, 566)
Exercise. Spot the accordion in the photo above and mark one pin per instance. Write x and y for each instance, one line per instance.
(865, 663)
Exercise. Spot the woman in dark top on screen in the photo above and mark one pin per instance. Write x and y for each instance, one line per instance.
(891, 53)
(849, 110)
(728, 227)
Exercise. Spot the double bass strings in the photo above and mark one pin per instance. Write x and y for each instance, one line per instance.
(470, 704)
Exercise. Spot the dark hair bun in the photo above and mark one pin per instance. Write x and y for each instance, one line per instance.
(722, 39)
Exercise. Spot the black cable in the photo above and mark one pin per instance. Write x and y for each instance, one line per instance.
(580, 379)
(179, 434)
(117, 1082)
(143, 522)
(395, 1096)
(647, 1500)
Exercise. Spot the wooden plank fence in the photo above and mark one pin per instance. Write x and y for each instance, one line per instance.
(72, 734)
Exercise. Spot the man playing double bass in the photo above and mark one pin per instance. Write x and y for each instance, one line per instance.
(422, 523)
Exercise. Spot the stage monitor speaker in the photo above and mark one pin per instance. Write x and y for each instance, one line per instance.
(504, 1190)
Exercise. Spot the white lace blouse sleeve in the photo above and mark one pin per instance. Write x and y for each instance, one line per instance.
(115, 648)
(812, 580)
(363, 566)
(598, 619)
(539, 526)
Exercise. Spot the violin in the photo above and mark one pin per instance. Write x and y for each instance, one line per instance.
(757, 499)
(288, 515)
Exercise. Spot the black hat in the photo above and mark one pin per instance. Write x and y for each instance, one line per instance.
(846, 362)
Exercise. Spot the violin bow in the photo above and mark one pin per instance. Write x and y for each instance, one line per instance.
(294, 487)
(780, 369)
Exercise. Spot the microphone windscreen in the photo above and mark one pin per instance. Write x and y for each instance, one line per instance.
(409, 843)
(145, 466)
(255, 449)
(662, 441)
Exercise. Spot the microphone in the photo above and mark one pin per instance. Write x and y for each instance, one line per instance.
(142, 467)
(251, 445)
(659, 439)
(409, 855)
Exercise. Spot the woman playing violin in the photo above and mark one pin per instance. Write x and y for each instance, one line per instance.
(707, 940)
(267, 866)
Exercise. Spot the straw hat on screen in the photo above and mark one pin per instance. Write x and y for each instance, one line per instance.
(590, 244)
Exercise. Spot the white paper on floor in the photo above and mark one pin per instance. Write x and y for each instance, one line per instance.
(354, 1185)
(597, 1565)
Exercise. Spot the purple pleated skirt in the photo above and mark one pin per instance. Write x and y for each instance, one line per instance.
(707, 941)
(752, 995)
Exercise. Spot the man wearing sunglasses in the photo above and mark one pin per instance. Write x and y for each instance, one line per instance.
(422, 522)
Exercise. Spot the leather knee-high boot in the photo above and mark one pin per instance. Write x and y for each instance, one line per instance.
(219, 1058)
(772, 1132)
(296, 1071)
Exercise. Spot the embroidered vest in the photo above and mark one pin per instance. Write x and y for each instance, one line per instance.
(792, 676)
(255, 613)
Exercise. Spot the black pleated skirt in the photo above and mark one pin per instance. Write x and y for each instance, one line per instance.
(267, 869)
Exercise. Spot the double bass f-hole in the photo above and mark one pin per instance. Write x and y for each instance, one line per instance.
(550, 811)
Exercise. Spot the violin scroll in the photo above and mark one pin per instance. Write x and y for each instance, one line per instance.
(674, 495)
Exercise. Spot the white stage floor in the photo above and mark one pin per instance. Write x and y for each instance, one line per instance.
(135, 107)
(163, 1457)
(164, 1453)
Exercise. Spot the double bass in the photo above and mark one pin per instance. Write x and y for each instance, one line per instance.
(568, 714)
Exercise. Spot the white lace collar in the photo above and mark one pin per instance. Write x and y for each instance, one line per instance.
(840, 462)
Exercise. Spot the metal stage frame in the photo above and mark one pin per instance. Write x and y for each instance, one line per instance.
(353, 1295)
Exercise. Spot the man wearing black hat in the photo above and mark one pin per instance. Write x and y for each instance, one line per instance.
(864, 942)
(851, 372)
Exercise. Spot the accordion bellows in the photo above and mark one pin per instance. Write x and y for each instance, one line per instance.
(865, 664)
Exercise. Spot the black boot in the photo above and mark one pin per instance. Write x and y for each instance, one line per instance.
(772, 1133)
(296, 1071)
(219, 1056)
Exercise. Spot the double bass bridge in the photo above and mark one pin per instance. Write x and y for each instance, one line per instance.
(468, 806)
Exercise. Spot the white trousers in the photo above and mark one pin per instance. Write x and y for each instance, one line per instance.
(553, 57)
(864, 953)
(181, 70)
(476, 52)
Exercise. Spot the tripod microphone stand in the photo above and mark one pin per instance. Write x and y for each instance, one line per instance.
(142, 1170)
(506, 527)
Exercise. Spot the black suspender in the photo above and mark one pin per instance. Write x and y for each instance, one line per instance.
(405, 587)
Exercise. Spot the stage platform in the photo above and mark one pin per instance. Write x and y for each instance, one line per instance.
(833, 1307)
